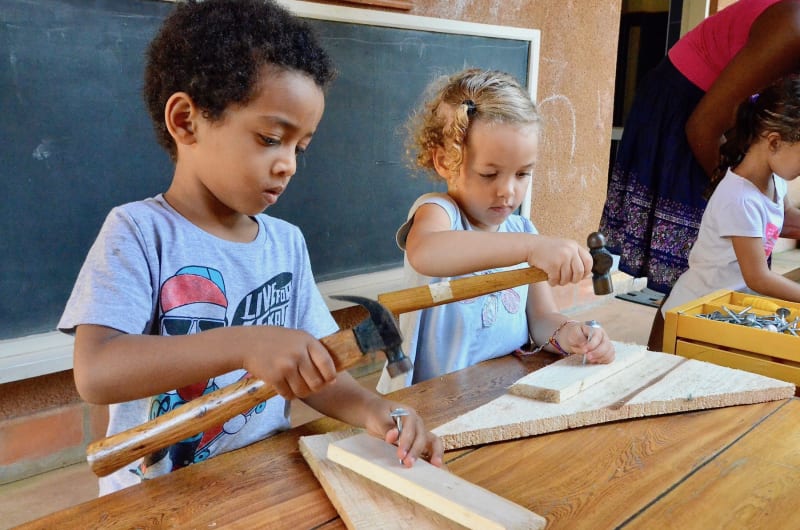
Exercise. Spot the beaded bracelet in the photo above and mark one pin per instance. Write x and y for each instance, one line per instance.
(551, 341)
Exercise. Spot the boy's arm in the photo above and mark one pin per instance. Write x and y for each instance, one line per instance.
(433, 249)
(112, 367)
(348, 401)
(750, 254)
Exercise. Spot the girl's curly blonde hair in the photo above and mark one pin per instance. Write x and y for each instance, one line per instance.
(453, 103)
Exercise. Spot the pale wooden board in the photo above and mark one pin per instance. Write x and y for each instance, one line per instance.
(676, 384)
(435, 488)
(360, 502)
(569, 376)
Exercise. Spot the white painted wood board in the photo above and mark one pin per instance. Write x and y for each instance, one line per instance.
(569, 376)
(661, 383)
(435, 488)
(360, 502)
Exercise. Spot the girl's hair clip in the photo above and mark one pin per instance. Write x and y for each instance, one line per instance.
(470, 107)
(754, 98)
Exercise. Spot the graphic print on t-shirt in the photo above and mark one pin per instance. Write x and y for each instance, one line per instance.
(195, 300)
(771, 235)
(509, 298)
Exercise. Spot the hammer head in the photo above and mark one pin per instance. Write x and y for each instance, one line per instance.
(379, 332)
(602, 261)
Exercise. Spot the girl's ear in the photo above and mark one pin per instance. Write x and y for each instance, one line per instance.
(773, 141)
(180, 117)
(439, 163)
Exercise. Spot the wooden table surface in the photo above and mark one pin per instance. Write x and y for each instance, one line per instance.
(735, 467)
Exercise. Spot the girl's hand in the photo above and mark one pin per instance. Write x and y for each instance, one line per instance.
(414, 442)
(584, 339)
(563, 260)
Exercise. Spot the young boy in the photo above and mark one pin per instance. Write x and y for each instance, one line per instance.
(196, 288)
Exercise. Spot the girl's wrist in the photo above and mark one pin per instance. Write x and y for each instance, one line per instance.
(552, 341)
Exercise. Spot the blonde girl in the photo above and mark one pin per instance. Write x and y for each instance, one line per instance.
(479, 133)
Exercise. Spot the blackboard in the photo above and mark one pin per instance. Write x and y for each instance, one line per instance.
(76, 141)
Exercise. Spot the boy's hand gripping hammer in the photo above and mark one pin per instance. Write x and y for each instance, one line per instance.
(378, 332)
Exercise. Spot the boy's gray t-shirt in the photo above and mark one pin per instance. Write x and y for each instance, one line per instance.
(151, 271)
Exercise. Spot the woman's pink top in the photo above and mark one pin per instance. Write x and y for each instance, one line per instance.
(705, 51)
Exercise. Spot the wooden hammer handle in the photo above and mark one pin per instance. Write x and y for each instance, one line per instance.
(440, 293)
(207, 411)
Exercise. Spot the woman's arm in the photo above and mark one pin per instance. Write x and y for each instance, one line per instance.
(772, 50)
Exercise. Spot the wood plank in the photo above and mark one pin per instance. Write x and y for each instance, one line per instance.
(569, 376)
(598, 477)
(360, 502)
(751, 484)
(661, 384)
(433, 487)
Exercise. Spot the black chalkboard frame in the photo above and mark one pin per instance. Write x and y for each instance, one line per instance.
(27, 352)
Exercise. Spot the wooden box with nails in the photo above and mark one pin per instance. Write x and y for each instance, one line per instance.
(723, 328)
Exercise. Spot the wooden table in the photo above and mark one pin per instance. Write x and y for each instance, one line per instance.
(736, 467)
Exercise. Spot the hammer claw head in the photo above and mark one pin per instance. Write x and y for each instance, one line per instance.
(379, 332)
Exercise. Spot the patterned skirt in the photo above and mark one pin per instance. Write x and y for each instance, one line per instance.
(655, 191)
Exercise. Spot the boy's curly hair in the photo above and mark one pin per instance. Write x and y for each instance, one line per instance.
(215, 50)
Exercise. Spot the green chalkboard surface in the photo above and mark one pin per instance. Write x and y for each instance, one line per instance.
(76, 141)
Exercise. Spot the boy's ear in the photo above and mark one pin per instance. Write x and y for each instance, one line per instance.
(180, 117)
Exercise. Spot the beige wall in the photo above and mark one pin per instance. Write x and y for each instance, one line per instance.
(576, 96)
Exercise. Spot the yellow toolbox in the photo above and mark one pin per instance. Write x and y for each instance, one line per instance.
(734, 345)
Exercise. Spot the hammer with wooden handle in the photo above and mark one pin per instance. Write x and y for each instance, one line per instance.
(378, 332)
(439, 293)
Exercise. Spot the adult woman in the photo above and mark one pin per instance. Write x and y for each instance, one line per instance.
(670, 146)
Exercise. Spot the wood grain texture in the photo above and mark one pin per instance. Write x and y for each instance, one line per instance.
(266, 485)
(569, 376)
(455, 498)
(598, 477)
(360, 502)
(660, 384)
(435, 294)
(601, 476)
(752, 484)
